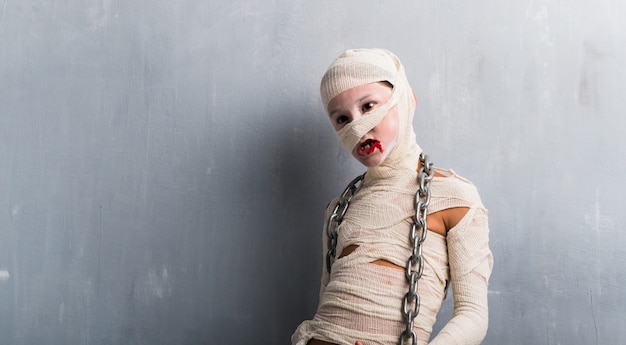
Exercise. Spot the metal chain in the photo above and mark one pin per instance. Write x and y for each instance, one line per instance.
(417, 236)
(337, 216)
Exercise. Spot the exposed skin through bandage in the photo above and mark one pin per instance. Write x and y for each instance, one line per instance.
(369, 147)
(440, 222)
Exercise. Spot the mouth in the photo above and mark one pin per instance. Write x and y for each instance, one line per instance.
(368, 147)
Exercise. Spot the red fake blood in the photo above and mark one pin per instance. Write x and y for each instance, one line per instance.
(369, 147)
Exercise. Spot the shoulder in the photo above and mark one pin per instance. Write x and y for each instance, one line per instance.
(454, 190)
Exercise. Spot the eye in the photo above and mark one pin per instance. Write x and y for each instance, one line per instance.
(368, 106)
(342, 119)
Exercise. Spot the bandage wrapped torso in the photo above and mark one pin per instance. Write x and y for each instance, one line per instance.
(362, 301)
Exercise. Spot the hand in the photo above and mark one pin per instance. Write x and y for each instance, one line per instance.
(358, 343)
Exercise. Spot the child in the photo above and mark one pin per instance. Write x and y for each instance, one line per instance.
(384, 277)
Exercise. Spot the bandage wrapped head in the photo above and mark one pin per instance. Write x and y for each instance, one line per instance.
(357, 67)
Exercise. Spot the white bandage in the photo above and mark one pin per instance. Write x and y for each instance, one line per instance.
(471, 262)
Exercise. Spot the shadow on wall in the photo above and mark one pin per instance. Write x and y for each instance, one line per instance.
(271, 279)
(301, 194)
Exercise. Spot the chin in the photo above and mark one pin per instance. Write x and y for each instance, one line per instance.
(371, 162)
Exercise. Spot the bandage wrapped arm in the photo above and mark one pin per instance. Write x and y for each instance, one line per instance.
(471, 262)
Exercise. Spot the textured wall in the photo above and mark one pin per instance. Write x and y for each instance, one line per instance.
(164, 165)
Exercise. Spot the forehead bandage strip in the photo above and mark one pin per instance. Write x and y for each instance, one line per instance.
(356, 67)
(351, 134)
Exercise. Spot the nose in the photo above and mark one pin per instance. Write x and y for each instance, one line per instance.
(355, 115)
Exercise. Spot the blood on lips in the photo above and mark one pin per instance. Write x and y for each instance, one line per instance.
(369, 146)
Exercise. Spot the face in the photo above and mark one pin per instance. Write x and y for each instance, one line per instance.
(350, 105)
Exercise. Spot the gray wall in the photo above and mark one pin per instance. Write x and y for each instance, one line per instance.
(164, 165)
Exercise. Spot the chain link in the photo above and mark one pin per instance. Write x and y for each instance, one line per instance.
(415, 264)
(337, 216)
(417, 236)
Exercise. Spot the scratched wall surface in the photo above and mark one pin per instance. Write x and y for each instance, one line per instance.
(164, 165)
